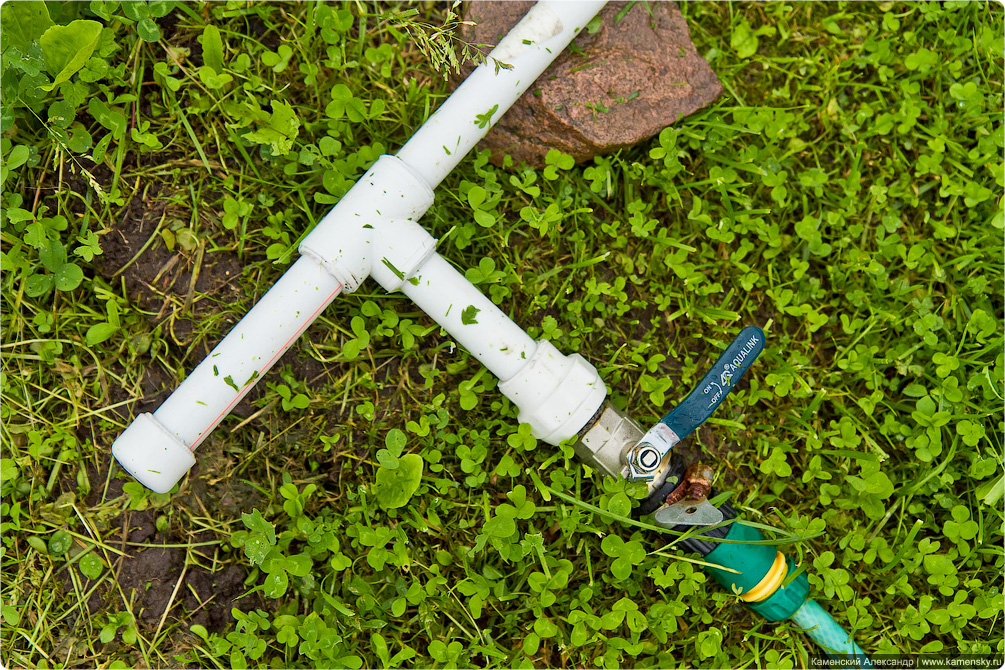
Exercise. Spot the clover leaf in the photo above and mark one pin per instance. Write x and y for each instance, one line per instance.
(396, 486)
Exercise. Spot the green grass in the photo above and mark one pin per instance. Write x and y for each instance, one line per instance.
(845, 193)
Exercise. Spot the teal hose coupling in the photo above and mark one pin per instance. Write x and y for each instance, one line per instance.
(761, 576)
(761, 573)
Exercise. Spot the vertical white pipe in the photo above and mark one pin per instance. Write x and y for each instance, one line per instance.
(470, 317)
(478, 103)
(555, 394)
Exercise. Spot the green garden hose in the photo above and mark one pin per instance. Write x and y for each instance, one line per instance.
(826, 632)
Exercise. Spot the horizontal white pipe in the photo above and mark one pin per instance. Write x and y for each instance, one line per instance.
(151, 449)
(478, 103)
(248, 352)
(470, 317)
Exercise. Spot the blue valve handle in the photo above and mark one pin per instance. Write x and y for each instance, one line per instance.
(643, 461)
(700, 403)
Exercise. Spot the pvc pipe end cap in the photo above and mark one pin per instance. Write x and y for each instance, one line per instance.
(151, 454)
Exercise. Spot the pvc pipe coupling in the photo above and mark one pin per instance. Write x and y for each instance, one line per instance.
(556, 394)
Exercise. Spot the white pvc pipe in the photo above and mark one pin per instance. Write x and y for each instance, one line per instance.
(470, 317)
(154, 448)
(556, 394)
(373, 231)
(478, 103)
(244, 356)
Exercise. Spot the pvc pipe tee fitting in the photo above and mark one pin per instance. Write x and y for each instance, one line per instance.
(373, 230)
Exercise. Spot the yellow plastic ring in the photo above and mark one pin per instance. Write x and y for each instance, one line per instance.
(769, 583)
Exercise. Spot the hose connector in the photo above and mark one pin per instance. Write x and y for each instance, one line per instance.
(757, 573)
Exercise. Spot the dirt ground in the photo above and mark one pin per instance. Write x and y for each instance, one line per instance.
(175, 289)
(160, 281)
(149, 572)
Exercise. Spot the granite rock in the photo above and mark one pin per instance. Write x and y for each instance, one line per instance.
(623, 81)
